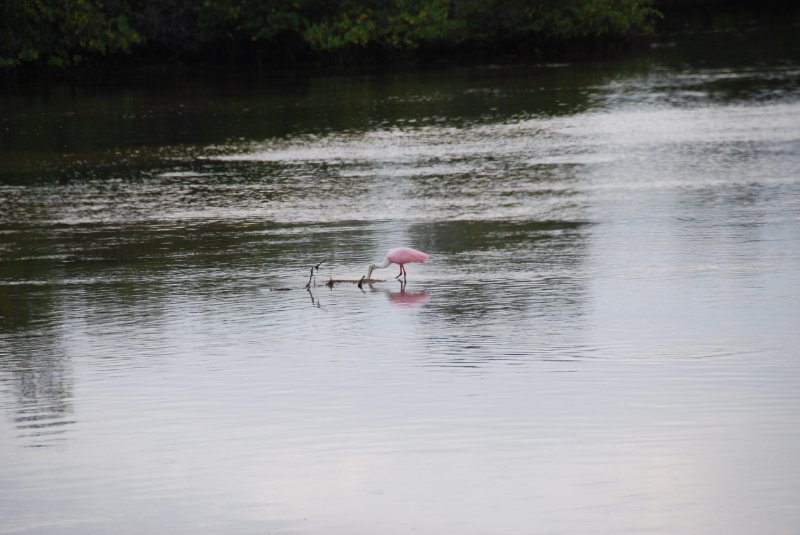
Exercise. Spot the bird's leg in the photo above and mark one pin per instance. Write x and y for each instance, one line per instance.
(401, 272)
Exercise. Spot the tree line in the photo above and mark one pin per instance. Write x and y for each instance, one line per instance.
(65, 33)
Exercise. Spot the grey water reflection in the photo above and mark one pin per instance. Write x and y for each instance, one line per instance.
(525, 277)
(39, 376)
(603, 340)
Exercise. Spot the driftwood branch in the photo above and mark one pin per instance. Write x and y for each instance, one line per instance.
(362, 280)
(312, 280)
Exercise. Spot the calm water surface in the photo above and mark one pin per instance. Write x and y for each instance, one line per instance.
(605, 340)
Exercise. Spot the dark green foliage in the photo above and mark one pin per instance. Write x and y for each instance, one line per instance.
(399, 24)
(62, 32)
(543, 22)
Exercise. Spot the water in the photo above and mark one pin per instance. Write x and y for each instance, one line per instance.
(605, 339)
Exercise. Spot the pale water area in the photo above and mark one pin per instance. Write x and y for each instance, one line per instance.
(604, 341)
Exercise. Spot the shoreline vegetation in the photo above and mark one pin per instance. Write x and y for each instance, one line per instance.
(75, 35)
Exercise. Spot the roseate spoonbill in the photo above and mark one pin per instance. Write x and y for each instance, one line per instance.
(399, 256)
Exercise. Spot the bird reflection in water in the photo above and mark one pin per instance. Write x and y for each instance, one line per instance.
(404, 298)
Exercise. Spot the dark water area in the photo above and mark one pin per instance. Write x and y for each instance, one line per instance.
(604, 341)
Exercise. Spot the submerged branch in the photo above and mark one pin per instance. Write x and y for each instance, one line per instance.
(311, 276)
(312, 280)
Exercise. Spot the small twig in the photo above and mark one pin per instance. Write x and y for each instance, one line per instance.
(360, 287)
(314, 269)
(330, 283)
(311, 276)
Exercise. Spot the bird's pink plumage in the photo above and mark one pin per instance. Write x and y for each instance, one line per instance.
(406, 255)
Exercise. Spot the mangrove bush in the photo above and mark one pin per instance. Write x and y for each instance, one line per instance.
(67, 32)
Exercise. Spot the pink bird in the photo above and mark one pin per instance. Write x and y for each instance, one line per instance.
(399, 256)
